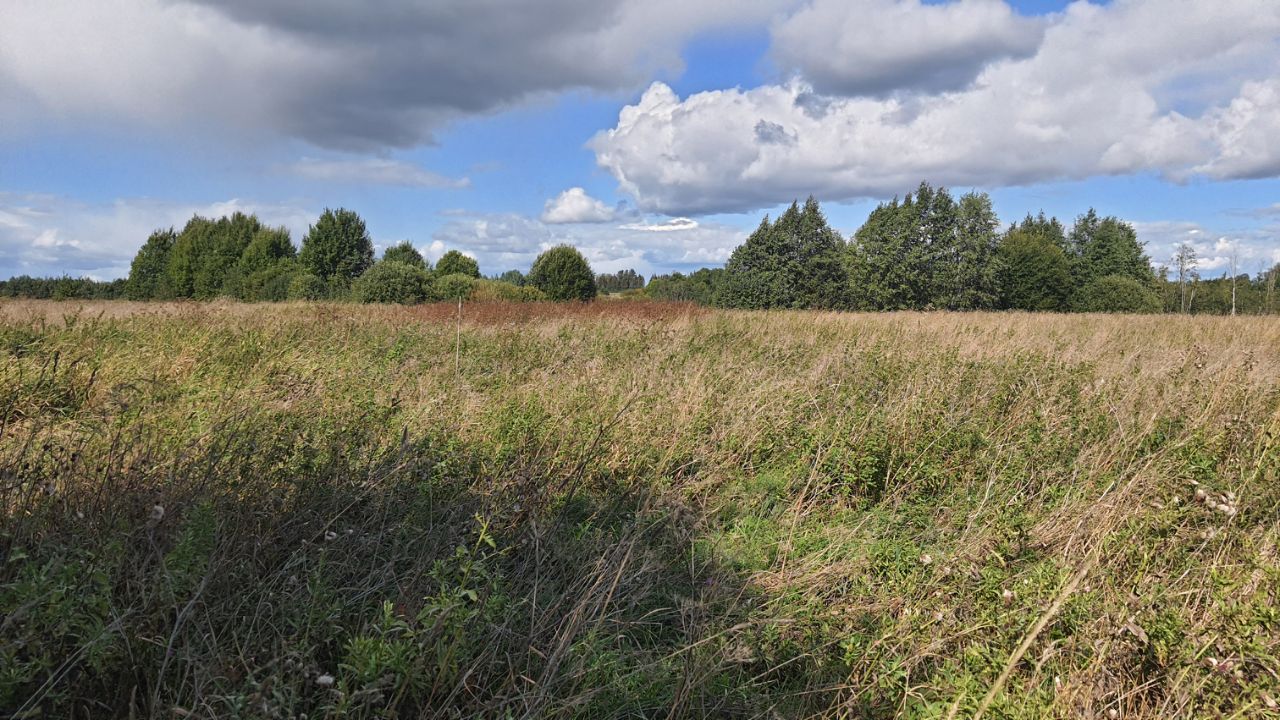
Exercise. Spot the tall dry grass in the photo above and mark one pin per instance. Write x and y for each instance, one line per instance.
(636, 510)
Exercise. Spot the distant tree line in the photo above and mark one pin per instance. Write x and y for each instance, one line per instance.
(925, 251)
(620, 281)
(930, 251)
(61, 288)
(238, 257)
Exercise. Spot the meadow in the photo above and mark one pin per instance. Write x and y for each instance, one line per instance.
(635, 510)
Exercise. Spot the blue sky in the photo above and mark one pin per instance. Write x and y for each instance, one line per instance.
(652, 135)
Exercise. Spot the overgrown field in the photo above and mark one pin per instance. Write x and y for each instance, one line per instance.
(635, 510)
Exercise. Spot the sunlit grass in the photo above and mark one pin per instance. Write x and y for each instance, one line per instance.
(635, 510)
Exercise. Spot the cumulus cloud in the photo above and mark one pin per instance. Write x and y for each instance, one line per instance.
(1255, 248)
(505, 240)
(879, 47)
(346, 75)
(46, 235)
(576, 206)
(372, 171)
(1180, 88)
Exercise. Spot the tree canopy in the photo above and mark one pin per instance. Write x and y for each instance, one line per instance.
(337, 247)
(562, 273)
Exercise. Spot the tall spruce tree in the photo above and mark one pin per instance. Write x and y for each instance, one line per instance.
(760, 271)
(794, 262)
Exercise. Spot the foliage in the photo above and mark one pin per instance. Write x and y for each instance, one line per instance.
(563, 274)
(1034, 271)
(498, 291)
(455, 263)
(392, 281)
(337, 246)
(619, 282)
(1117, 293)
(1106, 246)
(513, 277)
(791, 263)
(62, 288)
(699, 286)
(406, 253)
(452, 287)
(147, 273)
(648, 510)
(305, 286)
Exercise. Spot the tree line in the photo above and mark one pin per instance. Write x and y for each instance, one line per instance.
(931, 251)
(925, 251)
(239, 257)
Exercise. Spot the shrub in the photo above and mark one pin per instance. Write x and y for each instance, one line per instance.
(452, 287)
(500, 291)
(306, 287)
(1117, 294)
(270, 284)
(391, 281)
(563, 274)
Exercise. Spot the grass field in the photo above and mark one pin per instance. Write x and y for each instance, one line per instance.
(635, 510)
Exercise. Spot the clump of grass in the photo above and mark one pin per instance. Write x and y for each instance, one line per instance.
(634, 510)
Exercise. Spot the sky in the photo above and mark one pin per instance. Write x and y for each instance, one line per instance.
(651, 134)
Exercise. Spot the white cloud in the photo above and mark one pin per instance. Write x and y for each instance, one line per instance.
(1256, 249)
(576, 206)
(372, 171)
(50, 235)
(673, 225)
(505, 241)
(878, 47)
(1136, 86)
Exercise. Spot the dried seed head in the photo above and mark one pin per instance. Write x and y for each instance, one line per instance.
(325, 680)
(1007, 596)
(926, 559)
(1201, 494)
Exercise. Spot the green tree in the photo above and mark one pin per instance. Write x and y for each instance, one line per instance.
(147, 274)
(1034, 270)
(513, 277)
(405, 252)
(562, 273)
(337, 247)
(1118, 294)
(795, 262)
(267, 247)
(186, 257)
(966, 264)
(760, 272)
(265, 267)
(392, 281)
(455, 263)
(1106, 246)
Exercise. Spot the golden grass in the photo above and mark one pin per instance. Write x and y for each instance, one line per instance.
(919, 514)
